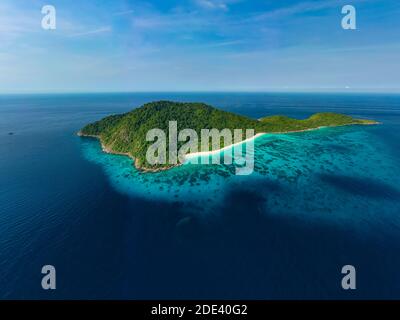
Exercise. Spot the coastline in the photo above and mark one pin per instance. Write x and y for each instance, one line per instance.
(208, 153)
(106, 149)
(188, 156)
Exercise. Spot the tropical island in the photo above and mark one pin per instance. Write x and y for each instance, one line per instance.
(125, 134)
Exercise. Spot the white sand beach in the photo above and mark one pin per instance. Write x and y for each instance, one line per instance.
(213, 152)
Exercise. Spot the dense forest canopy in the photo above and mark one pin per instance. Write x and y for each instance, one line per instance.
(126, 133)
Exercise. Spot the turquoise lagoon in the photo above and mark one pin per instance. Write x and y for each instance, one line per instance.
(319, 175)
(315, 202)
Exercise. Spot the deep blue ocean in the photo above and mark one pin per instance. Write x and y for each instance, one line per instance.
(316, 201)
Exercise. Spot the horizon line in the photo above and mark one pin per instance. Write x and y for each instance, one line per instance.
(311, 91)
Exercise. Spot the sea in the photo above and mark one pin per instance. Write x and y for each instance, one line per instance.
(317, 201)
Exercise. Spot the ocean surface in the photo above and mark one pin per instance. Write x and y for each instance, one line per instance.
(316, 201)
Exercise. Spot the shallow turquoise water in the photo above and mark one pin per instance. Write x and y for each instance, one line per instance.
(320, 175)
(316, 201)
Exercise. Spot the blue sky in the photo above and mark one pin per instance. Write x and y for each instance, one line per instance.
(199, 45)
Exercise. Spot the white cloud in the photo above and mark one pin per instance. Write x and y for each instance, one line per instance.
(91, 32)
(14, 23)
(124, 13)
(303, 7)
(212, 4)
(176, 22)
(224, 44)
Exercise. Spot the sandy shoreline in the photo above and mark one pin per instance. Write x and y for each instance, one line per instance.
(206, 153)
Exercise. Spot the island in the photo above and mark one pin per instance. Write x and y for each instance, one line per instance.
(125, 134)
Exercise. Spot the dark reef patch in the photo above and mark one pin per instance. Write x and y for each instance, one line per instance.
(365, 187)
